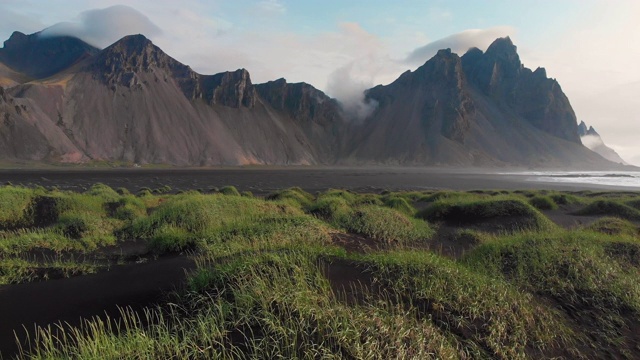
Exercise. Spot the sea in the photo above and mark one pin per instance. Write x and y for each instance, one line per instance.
(623, 179)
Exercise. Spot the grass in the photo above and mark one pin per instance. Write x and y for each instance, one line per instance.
(611, 208)
(592, 285)
(488, 313)
(542, 202)
(614, 226)
(474, 211)
(400, 204)
(272, 282)
(388, 225)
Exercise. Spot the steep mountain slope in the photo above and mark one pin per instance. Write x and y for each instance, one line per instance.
(25, 136)
(133, 103)
(481, 109)
(591, 139)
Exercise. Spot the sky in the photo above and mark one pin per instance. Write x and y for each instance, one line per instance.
(592, 47)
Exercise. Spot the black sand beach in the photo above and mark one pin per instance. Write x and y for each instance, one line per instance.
(264, 180)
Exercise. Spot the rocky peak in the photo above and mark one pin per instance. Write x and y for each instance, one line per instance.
(234, 89)
(300, 100)
(582, 129)
(445, 68)
(39, 56)
(499, 74)
(297, 96)
(129, 55)
(503, 50)
(15, 40)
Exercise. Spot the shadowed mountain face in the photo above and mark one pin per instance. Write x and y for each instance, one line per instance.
(38, 56)
(133, 103)
(593, 141)
(481, 109)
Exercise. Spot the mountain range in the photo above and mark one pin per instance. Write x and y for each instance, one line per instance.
(64, 101)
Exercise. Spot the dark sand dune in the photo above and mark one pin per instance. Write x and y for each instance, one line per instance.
(68, 300)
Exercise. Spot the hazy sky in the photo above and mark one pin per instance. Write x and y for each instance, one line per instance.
(592, 47)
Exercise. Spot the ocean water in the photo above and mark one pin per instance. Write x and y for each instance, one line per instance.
(627, 179)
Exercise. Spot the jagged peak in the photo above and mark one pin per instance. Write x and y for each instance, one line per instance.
(540, 71)
(16, 37)
(473, 51)
(503, 48)
(132, 44)
(502, 42)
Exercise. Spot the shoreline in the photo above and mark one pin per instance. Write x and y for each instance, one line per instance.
(263, 180)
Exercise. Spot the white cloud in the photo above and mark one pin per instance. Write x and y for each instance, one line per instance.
(459, 43)
(102, 27)
(274, 6)
(591, 141)
(11, 21)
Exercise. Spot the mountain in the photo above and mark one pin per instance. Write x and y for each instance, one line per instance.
(133, 103)
(37, 56)
(478, 109)
(591, 139)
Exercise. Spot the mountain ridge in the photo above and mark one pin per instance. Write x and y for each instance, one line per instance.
(131, 102)
(592, 140)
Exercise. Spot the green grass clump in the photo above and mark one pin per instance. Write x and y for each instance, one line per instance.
(229, 190)
(610, 208)
(614, 226)
(17, 270)
(199, 217)
(634, 204)
(573, 269)
(368, 199)
(333, 209)
(399, 204)
(566, 199)
(492, 318)
(542, 202)
(478, 211)
(387, 225)
(22, 240)
(128, 208)
(295, 196)
(348, 196)
(15, 206)
(450, 195)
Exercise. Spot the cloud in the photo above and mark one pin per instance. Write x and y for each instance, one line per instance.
(367, 60)
(459, 43)
(591, 141)
(273, 6)
(348, 88)
(11, 21)
(102, 27)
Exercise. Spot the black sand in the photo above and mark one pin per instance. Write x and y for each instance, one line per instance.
(264, 180)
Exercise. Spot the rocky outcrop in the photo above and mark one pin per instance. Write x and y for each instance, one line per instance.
(124, 63)
(301, 101)
(499, 74)
(591, 139)
(38, 56)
